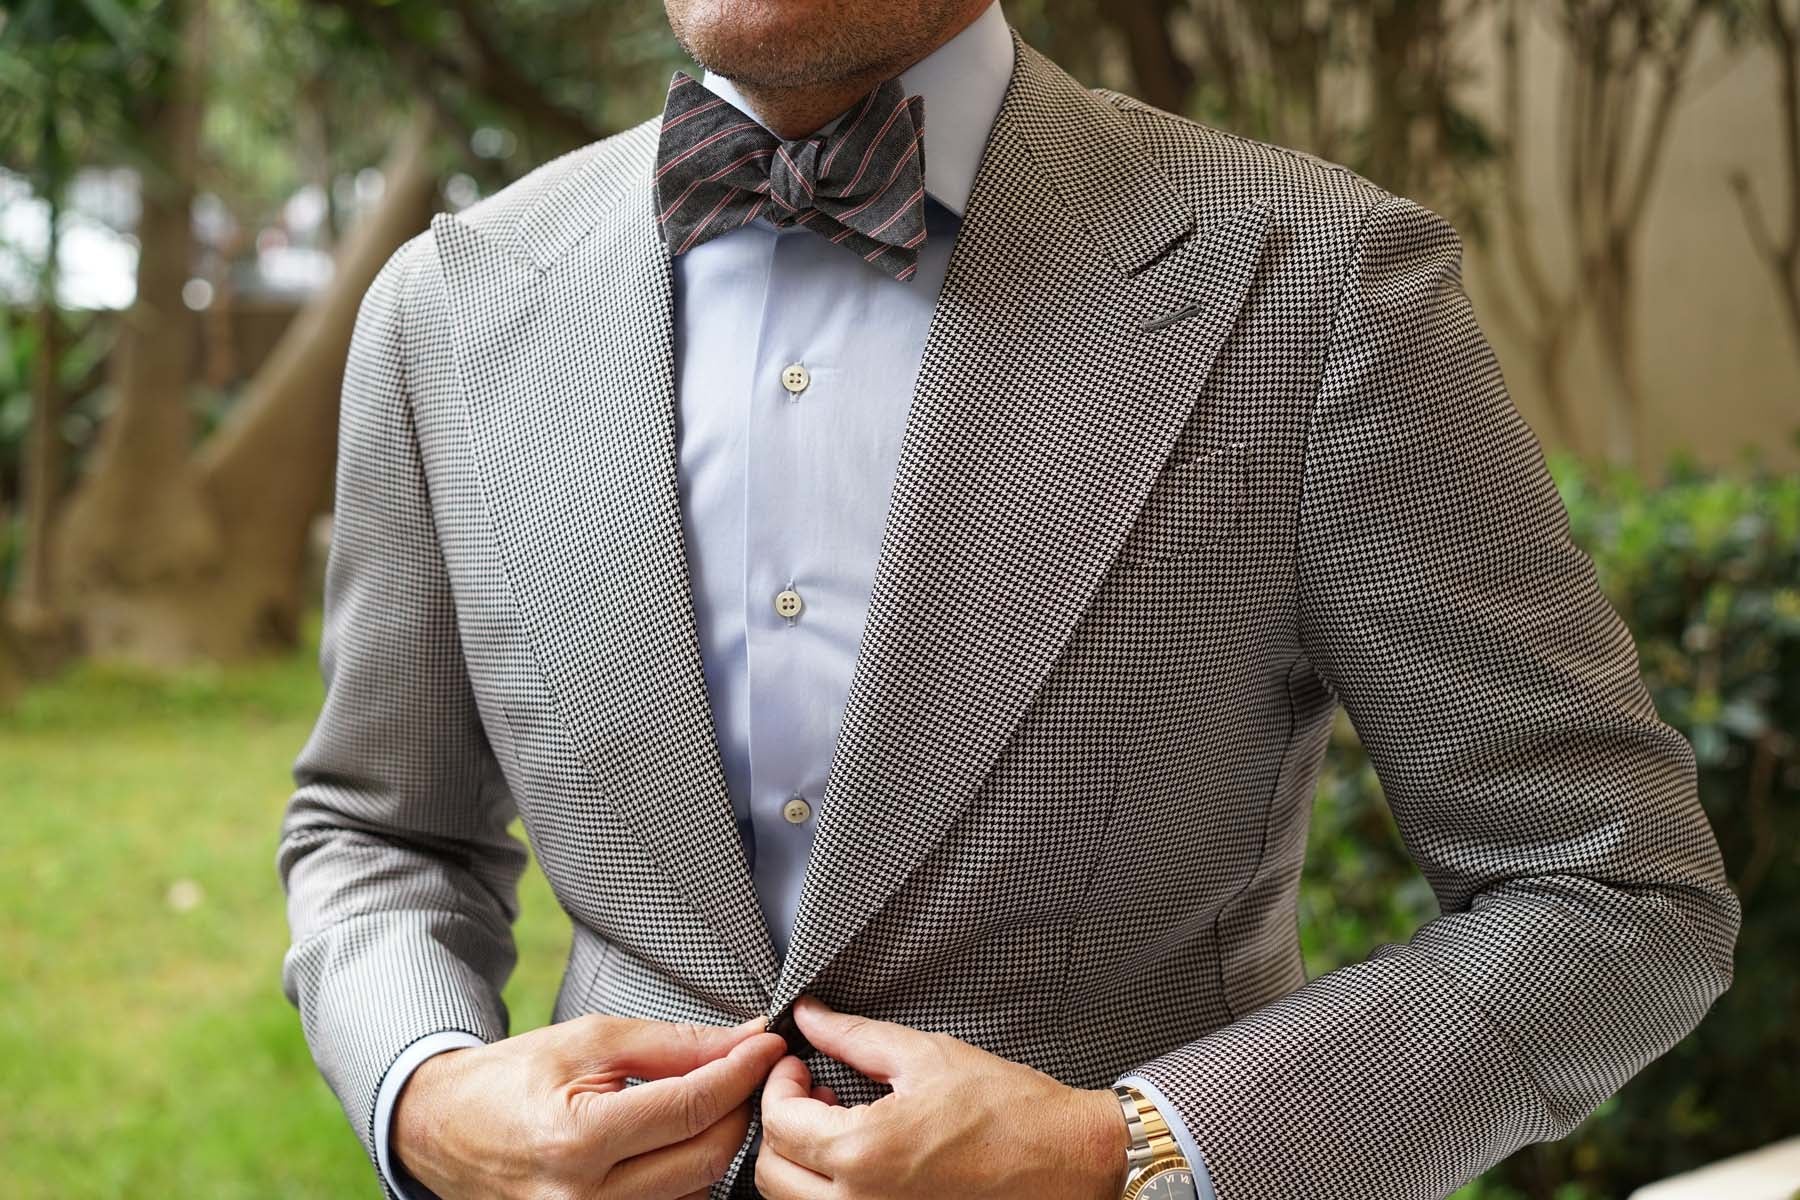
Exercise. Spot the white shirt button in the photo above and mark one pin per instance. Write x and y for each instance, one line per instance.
(796, 810)
(788, 603)
(795, 377)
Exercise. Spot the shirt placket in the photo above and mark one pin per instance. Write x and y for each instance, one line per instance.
(789, 591)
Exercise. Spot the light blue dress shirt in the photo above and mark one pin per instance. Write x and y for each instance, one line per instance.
(794, 368)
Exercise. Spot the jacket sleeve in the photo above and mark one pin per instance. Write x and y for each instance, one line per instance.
(1586, 924)
(401, 877)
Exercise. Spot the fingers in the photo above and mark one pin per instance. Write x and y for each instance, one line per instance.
(879, 1049)
(664, 1111)
(797, 1125)
(789, 1079)
(620, 1046)
(685, 1169)
(779, 1179)
(816, 1091)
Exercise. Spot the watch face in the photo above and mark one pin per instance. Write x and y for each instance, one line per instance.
(1164, 1182)
(1173, 1185)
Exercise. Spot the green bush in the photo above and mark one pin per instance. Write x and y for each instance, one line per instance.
(1705, 569)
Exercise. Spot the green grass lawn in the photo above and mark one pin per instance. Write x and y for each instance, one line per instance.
(145, 1046)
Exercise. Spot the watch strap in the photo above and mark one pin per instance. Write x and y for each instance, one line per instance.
(1151, 1138)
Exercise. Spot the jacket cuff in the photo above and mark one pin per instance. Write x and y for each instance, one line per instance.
(398, 1181)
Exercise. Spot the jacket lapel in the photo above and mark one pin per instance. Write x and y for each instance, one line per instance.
(1043, 411)
(565, 344)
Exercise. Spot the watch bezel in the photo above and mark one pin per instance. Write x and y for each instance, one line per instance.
(1140, 1178)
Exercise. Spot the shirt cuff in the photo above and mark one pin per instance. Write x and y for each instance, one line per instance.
(1203, 1187)
(398, 1181)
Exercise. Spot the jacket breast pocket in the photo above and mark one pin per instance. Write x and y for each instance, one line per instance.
(1192, 508)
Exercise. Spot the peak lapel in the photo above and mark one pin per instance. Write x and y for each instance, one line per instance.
(567, 365)
(1079, 316)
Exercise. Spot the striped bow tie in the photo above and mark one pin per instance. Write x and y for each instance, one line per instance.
(861, 185)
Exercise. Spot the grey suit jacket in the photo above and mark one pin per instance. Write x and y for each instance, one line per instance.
(1206, 441)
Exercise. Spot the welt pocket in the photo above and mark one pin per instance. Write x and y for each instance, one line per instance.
(1193, 506)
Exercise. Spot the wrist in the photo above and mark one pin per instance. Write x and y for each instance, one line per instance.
(418, 1113)
(1100, 1142)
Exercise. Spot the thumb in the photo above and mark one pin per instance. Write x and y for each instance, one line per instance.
(789, 1080)
(881, 1050)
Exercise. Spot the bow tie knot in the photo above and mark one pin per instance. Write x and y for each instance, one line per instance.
(862, 184)
(794, 173)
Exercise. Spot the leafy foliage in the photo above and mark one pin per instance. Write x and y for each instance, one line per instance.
(70, 74)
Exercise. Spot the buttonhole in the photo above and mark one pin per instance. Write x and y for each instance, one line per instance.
(1179, 314)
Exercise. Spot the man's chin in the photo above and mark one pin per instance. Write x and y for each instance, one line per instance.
(774, 44)
(765, 67)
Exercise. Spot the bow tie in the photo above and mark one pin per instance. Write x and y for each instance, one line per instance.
(861, 185)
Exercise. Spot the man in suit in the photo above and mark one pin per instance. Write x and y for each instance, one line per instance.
(897, 526)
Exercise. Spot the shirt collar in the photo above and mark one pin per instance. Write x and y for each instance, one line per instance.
(963, 82)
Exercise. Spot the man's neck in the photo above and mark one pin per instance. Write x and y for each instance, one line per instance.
(795, 112)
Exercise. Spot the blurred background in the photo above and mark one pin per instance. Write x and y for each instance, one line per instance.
(195, 193)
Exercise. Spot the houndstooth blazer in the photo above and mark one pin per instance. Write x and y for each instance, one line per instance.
(1206, 441)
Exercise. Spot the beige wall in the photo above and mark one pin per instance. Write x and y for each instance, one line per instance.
(1720, 370)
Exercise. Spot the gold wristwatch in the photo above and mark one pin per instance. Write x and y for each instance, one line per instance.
(1155, 1167)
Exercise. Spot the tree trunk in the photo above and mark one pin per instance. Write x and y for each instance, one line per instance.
(1163, 77)
(1394, 85)
(268, 470)
(1550, 352)
(138, 525)
(12, 672)
(1777, 242)
(1613, 318)
(169, 554)
(34, 608)
(1547, 313)
(1616, 53)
